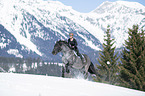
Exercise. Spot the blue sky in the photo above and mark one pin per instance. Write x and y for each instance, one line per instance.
(86, 6)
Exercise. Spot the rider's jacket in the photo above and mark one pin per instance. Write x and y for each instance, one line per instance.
(72, 44)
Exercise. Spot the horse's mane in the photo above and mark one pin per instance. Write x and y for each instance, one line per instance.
(63, 42)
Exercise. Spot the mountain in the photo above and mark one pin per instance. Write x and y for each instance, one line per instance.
(36, 85)
(120, 15)
(36, 25)
(9, 45)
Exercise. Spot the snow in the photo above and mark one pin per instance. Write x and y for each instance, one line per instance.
(89, 43)
(35, 85)
(3, 45)
(120, 15)
(108, 62)
(131, 4)
(12, 69)
(15, 52)
(14, 26)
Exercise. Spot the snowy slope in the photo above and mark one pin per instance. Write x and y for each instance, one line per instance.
(35, 85)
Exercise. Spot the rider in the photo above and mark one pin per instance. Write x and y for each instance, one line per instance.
(73, 45)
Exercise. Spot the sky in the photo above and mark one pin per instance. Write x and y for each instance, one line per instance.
(85, 6)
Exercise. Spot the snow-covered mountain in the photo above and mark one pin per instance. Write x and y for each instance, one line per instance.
(9, 45)
(36, 85)
(37, 24)
(120, 15)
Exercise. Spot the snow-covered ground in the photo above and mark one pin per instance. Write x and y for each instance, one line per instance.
(36, 85)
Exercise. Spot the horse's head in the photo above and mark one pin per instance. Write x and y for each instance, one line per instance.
(57, 48)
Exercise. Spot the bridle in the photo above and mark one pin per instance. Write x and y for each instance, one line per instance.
(57, 47)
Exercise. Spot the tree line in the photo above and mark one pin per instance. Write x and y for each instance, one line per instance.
(30, 66)
(128, 69)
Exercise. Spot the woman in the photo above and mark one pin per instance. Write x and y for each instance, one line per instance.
(73, 45)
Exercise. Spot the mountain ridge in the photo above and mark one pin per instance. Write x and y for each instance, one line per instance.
(128, 4)
(38, 24)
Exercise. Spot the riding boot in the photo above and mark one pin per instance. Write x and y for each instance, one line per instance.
(77, 51)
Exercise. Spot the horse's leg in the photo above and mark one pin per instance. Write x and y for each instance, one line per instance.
(84, 72)
(63, 71)
(86, 67)
(92, 70)
(66, 71)
(67, 68)
(85, 75)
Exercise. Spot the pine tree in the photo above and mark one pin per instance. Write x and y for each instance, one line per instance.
(132, 72)
(108, 59)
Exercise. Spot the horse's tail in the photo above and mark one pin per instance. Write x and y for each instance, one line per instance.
(92, 69)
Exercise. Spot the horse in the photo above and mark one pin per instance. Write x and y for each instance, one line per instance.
(70, 59)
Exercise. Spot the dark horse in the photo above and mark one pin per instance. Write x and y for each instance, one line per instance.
(69, 58)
